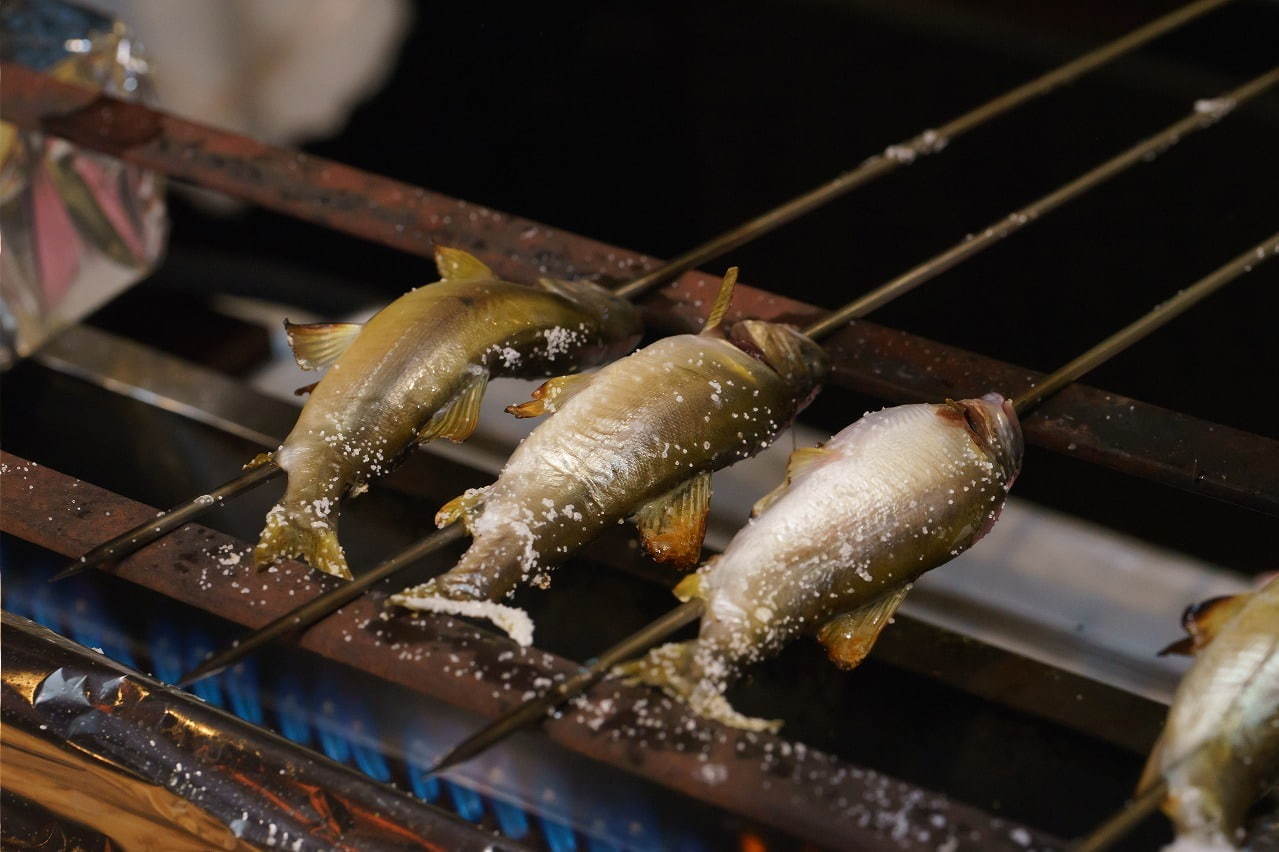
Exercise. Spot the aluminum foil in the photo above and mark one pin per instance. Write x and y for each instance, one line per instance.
(76, 227)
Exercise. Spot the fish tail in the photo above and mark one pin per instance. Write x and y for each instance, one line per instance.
(290, 533)
(680, 669)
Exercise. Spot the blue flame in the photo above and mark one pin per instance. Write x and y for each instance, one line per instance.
(242, 690)
(293, 718)
(198, 649)
(166, 650)
(511, 820)
(559, 837)
(466, 802)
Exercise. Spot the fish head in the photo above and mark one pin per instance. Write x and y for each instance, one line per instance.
(618, 321)
(993, 424)
(796, 357)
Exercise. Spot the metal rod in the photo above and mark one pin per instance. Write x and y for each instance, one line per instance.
(531, 711)
(1205, 114)
(320, 606)
(534, 709)
(906, 152)
(1125, 820)
(1158, 317)
(143, 534)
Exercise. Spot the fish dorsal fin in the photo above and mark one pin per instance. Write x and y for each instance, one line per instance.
(316, 345)
(848, 637)
(800, 461)
(457, 265)
(722, 300)
(672, 526)
(465, 507)
(458, 419)
(558, 287)
(1203, 621)
(551, 395)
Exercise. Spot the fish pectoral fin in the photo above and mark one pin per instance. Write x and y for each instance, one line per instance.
(457, 265)
(551, 395)
(1203, 621)
(672, 526)
(848, 637)
(800, 461)
(305, 389)
(316, 345)
(465, 508)
(458, 419)
(722, 300)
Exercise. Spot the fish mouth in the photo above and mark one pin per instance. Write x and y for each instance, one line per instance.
(993, 419)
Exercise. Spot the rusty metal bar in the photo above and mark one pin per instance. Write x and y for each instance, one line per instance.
(1116, 432)
(800, 791)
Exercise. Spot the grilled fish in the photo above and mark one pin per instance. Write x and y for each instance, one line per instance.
(1219, 750)
(638, 438)
(417, 371)
(835, 548)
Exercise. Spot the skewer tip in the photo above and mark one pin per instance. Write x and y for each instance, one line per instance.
(80, 565)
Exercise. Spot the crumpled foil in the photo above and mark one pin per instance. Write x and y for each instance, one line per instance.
(76, 227)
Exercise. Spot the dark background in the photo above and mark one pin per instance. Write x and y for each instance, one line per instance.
(657, 125)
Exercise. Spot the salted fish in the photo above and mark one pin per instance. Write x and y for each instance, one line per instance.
(1219, 750)
(417, 371)
(639, 438)
(835, 548)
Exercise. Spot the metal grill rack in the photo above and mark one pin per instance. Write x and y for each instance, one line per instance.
(700, 784)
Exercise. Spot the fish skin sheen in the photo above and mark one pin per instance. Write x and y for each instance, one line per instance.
(431, 348)
(892, 496)
(644, 426)
(1219, 750)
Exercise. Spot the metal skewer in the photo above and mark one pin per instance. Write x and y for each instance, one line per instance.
(305, 615)
(1125, 820)
(906, 152)
(143, 534)
(1198, 119)
(533, 710)
(927, 142)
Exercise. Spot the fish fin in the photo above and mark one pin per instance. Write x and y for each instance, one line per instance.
(848, 637)
(722, 300)
(259, 460)
(465, 507)
(316, 345)
(1203, 621)
(1185, 647)
(306, 389)
(800, 461)
(668, 668)
(458, 419)
(457, 265)
(288, 534)
(558, 287)
(551, 395)
(672, 526)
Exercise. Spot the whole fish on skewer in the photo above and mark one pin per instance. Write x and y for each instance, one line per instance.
(639, 438)
(417, 371)
(836, 547)
(1219, 751)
